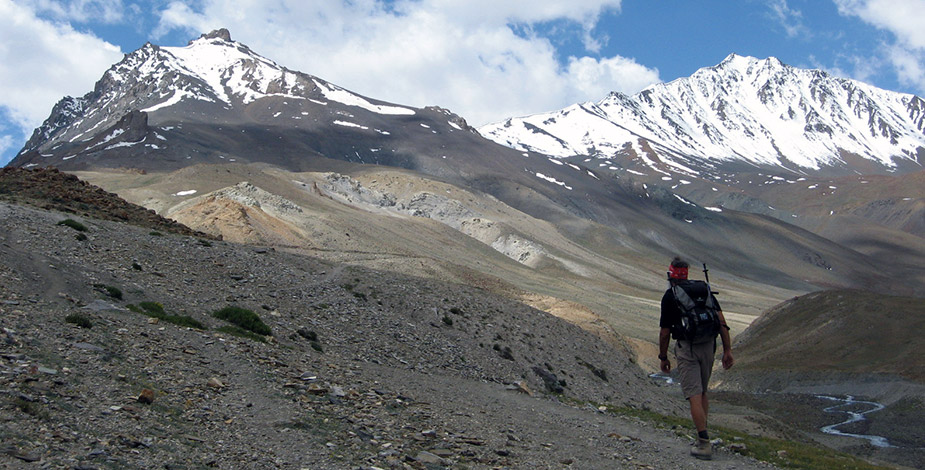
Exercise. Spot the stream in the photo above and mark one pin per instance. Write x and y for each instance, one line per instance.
(847, 402)
(853, 417)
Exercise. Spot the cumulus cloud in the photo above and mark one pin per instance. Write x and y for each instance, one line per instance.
(904, 20)
(40, 62)
(471, 57)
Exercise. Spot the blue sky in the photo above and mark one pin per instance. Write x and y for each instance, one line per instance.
(483, 59)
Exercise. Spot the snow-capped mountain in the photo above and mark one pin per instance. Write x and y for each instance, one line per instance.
(162, 100)
(758, 112)
(187, 111)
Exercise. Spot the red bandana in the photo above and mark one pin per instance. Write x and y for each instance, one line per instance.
(677, 273)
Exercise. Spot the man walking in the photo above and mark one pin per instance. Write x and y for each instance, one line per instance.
(694, 350)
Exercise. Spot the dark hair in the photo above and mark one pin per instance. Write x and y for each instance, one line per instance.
(679, 263)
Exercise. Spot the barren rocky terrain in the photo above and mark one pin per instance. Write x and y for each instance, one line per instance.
(364, 369)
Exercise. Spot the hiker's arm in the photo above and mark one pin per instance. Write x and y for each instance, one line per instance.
(728, 361)
(664, 339)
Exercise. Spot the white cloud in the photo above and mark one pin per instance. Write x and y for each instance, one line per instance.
(466, 56)
(904, 19)
(596, 78)
(789, 18)
(81, 11)
(6, 145)
(40, 62)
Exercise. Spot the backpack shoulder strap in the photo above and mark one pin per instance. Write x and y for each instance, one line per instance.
(684, 300)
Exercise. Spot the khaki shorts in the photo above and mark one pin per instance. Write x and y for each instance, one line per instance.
(694, 366)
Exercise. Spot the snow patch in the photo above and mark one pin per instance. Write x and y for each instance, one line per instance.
(343, 96)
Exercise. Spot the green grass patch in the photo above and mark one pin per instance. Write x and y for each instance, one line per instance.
(111, 291)
(79, 319)
(242, 333)
(73, 224)
(243, 318)
(156, 310)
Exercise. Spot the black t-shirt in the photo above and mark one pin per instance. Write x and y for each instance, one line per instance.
(671, 312)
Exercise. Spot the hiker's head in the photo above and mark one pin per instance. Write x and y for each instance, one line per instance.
(677, 271)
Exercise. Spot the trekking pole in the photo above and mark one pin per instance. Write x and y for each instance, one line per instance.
(706, 276)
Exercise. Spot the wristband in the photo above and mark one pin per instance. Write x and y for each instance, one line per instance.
(663, 357)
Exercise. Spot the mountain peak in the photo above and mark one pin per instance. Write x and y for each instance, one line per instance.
(759, 112)
(745, 62)
(221, 33)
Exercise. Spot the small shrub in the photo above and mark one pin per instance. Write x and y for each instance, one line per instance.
(456, 311)
(156, 310)
(316, 346)
(156, 234)
(136, 266)
(447, 320)
(204, 242)
(242, 333)
(79, 319)
(309, 335)
(111, 291)
(153, 308)
(243, 318)
(80, 237)
(505, 352)
(184, 321)
(73, 224)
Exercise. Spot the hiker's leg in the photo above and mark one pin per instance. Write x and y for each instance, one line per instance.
(699, 411)
(706, 409)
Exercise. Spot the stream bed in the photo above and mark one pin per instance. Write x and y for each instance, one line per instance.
(849, 406)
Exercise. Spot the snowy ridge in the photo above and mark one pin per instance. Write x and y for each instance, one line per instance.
(760, 112)
(210, 70)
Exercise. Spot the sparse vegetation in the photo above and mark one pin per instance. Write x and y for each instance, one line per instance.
(505, 351)
(73, 224)
(307, 334)
(312, 337)
(243, 318)
(111, 291)
(242, 333)
(79, 319)
(156, 310)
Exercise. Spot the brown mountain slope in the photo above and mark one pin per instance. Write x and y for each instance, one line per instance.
(840, 331)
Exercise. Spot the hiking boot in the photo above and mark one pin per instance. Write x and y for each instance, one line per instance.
(703, 449)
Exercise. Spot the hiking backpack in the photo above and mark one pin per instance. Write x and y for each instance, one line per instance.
(699, 317)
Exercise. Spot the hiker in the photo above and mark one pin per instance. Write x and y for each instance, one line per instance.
(694, 355)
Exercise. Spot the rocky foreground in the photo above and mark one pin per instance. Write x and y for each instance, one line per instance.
(362, 369)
